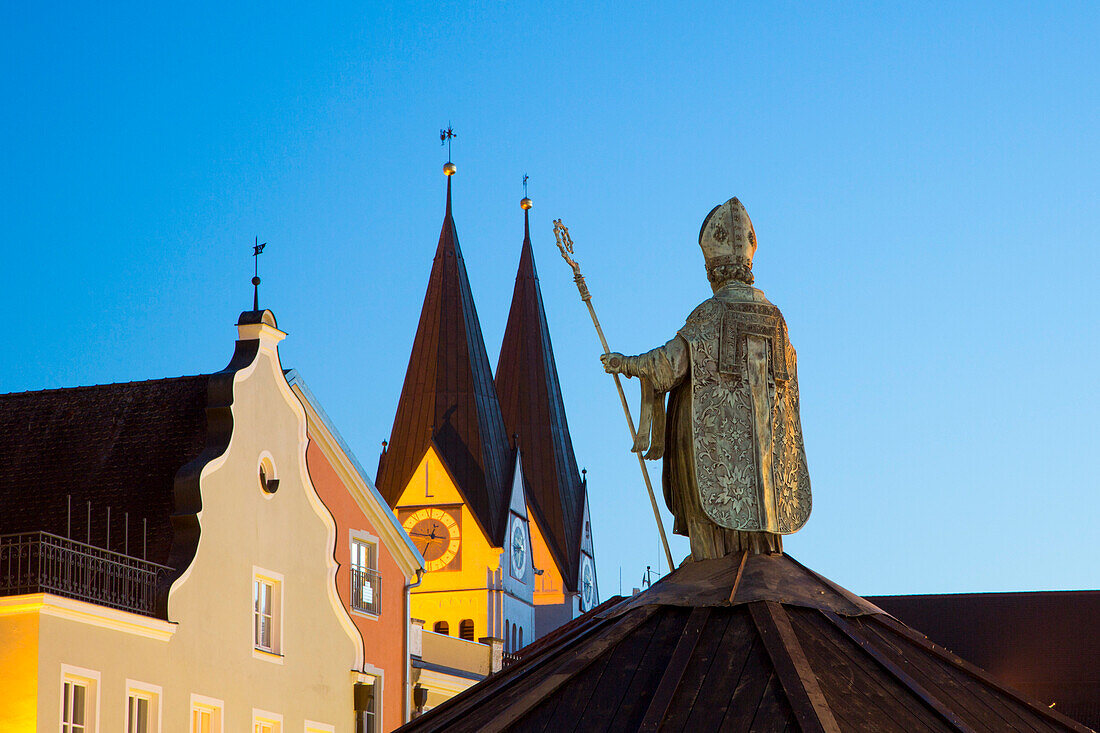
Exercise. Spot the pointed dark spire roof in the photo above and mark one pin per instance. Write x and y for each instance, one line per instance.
(448, 399)
(741, 643)
(530, 398)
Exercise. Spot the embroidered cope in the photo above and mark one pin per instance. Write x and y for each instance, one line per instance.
(735, 474)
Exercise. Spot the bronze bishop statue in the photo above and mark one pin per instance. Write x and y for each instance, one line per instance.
(735, 474)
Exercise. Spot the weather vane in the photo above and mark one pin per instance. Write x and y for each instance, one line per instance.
(445, 137)
(525, 203)
(257, 250)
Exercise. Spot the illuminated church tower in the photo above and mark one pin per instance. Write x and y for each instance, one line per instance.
(451, 474)
(531, 400)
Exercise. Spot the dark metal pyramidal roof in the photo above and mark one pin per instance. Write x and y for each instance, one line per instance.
(448, 399)
(530, 398)
(741, 643)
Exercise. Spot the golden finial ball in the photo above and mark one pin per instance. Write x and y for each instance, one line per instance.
(525, 203)
(449, 168)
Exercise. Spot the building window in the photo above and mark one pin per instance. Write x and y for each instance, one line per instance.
(366, 706)
(466, 629)
(269, 482)
(267, 602)
(142, 708)
(441, 627)
(312, 727)
(74, 714)
(520, 639)
(206, 714)
(507, 629)
(366, 595)
(79, 700)
(265, 722)
(514, 647)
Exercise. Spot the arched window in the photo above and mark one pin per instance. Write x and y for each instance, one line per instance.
(441, 627)
(466, 629)
(520, 639)
(514, 647)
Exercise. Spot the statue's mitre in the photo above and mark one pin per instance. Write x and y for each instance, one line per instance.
(727, 236)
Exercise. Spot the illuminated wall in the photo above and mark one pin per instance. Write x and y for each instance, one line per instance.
(477, 583)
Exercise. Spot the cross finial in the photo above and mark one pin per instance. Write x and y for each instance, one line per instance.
(525, 177)
(257, 250)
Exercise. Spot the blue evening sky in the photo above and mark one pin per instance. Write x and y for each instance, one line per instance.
(923, 179)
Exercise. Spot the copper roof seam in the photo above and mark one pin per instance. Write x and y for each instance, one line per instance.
(674, 672)
(900, 675)
(976, 672)
(570, 663)
(797, 678)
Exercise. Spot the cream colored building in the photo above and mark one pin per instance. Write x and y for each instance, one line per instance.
(243, 630)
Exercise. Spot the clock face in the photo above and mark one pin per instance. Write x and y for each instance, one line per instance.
(517, 548)
(436, 533)
(588, 584)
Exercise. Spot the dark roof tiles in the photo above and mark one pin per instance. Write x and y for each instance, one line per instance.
(117, 446)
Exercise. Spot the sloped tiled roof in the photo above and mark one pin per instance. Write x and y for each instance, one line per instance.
(114, 445)
(743, 643)
(530, 398)
(448, 398)
(1044, 643)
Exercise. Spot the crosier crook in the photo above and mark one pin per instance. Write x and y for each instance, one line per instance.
(565, 245)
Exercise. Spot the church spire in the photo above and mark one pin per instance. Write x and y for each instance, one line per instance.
(530, 398)
(448, 400)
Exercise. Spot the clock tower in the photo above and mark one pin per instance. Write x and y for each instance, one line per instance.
(451, 474)
(556, 491)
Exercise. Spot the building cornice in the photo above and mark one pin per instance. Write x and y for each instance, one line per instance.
(70, 609)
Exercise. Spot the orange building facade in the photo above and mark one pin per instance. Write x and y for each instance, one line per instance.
(377, 563)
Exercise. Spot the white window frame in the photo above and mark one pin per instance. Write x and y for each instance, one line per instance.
(89, 680)
(276, 652)
(375, 676)
(266, 717)
(363, 538)
(314, 727)
(216, 708)
(152, 693)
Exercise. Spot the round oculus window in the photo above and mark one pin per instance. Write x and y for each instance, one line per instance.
(269, 483)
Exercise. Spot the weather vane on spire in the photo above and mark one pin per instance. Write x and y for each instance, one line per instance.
(257, 250)
(445, 137)
(525, 177)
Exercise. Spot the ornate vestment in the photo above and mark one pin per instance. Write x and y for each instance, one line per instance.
(735, 456)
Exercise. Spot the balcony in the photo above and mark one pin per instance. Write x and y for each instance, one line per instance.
(40, 562)
(366, 590)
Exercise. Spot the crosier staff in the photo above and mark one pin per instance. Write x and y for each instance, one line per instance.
(565, 244)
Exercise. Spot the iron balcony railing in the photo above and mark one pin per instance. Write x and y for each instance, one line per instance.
(366, 590)
(507, 659)
(40, 562)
